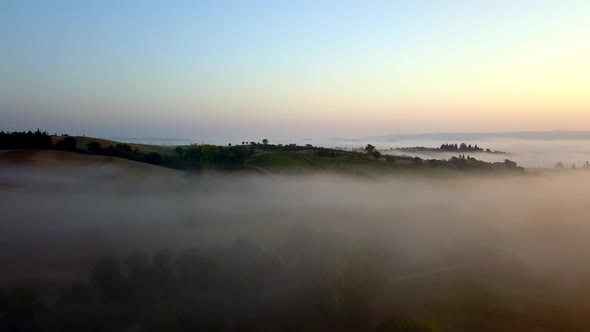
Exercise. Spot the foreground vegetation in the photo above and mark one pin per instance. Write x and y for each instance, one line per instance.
(239, 288)
(308, 280)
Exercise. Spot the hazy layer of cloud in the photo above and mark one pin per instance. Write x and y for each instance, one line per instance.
(523, 237)
(57, 206)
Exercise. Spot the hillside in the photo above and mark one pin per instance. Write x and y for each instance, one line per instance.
(52, 158)
(40, 148)
(83, 141)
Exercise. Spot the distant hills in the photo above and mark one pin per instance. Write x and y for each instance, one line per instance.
(528, 135)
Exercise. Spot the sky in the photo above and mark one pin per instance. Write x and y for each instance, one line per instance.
(242, 69)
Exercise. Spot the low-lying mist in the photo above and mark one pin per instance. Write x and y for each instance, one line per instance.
(528, 153)
(470, 253)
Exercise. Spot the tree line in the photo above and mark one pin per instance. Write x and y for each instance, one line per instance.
(25, 140)
(463, 147)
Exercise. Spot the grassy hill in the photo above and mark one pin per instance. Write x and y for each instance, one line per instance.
(144, 148)
(45, 158)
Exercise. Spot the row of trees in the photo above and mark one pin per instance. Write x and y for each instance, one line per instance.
(125, 151)
(264, 142)
(25, 140)
(585, 165)
(463, 148)
(38, 140)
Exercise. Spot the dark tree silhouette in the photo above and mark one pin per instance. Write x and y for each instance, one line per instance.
(94, 147)
(68, 143)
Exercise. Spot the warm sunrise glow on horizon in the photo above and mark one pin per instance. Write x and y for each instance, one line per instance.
(301, 68)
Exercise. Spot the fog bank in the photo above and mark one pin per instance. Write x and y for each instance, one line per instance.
(519, 238)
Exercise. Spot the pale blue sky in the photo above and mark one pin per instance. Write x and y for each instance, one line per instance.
(295, 68)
